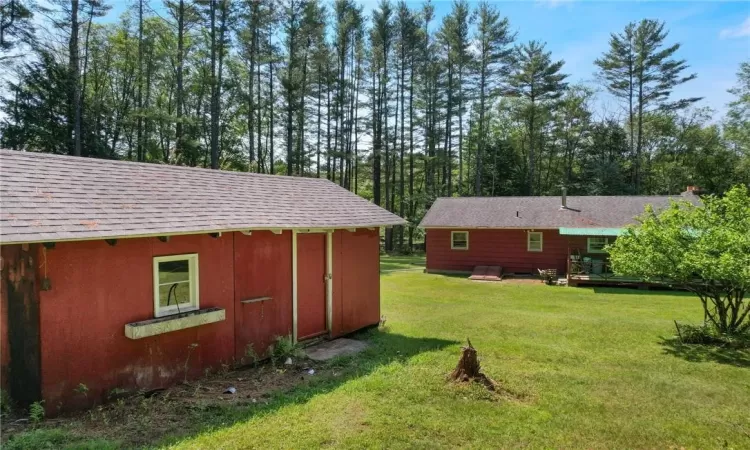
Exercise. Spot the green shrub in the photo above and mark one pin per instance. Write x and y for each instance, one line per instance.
(54, 439)
(694, 334)
(707, 334)
(36, 412)
(6, 404)
(285, 347)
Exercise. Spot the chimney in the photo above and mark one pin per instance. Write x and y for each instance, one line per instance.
(564, 204)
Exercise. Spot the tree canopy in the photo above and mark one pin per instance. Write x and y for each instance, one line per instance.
(703, 248)
(399, 105)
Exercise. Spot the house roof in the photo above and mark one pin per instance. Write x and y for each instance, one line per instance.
(543, 212)
(46, 197)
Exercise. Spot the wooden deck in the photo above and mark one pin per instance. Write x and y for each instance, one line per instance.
(610, 279)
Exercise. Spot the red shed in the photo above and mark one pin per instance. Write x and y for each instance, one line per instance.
(526, 234)
(121, 275)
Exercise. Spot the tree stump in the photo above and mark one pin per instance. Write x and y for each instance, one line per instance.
(468, 368)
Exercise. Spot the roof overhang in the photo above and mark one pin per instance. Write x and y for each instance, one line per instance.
(565, 231)
(277, 230)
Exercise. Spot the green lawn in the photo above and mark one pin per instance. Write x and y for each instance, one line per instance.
(580, 368)
(397, 263)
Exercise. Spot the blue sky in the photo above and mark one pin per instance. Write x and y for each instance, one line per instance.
(715, 36)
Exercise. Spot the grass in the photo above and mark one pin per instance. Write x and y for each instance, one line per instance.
(397, 263)
(580, 368)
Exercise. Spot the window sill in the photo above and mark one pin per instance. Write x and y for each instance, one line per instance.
(167, 324)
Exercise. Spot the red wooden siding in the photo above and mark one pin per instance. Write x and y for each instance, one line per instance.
(311, 285)
(97, 289)
(499, 247)
(356, 280)
(263, 268)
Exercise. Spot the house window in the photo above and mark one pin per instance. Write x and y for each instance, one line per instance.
(459, 240)
(534, 241)
(597, 244)
(175, 284)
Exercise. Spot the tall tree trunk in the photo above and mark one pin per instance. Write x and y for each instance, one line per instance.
(250, 87)
(139, 131)
(531, 147)
(74, 118)
(317, 151)
(401, 191)
(180, 94)
(447, 153)
(480, 142)
(376, 126)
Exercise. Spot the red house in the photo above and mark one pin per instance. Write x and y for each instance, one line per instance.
(120, 275)
(522, 235)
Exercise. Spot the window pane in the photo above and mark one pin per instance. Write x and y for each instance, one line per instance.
(597, 243)
(535, 241)
(460, 240)
(174, 294)
(174, 271)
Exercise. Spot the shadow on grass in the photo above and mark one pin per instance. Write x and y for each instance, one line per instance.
(738, 357)
(633, 290)
(385, 348)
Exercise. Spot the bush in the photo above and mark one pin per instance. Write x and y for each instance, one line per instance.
(6, 404)
(54, 439)
(695, 334)
(707, 334)
(284, 347)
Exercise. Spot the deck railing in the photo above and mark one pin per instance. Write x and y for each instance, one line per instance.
(589, 267)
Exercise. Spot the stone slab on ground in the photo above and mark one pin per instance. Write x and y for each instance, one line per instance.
(331, 349)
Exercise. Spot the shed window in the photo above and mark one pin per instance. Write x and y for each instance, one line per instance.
(175, 284)
(459, 240)
(534, 241)
(597, 244)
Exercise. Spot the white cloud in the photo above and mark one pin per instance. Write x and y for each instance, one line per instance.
(738, 31)
(554, 3)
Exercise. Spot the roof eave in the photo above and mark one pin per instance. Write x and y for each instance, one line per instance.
(4, 241)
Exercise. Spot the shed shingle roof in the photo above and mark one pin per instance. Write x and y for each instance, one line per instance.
(543, 212)
(47, 197)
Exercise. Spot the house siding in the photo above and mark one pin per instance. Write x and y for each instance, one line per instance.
(499, 247)
(356, 280)
(96, 288)
(263, 268)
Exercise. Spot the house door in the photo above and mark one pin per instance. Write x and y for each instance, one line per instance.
(311, 285)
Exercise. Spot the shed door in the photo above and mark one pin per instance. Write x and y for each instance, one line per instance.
(311, 285)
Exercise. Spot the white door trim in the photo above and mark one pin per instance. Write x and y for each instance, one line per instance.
(294, 286)
(329, 282)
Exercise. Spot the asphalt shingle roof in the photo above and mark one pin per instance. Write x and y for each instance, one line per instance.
(543, 212)
(47, 197)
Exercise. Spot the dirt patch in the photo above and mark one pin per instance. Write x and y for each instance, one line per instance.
(148, 417)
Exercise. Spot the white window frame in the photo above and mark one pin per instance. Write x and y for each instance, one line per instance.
(607, 241)
(453, 233)
(528, 241)
(192, 258)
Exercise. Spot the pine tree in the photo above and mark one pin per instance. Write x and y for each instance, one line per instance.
(493, 37)
(538, 81)
(16, 25)
(640, 69)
